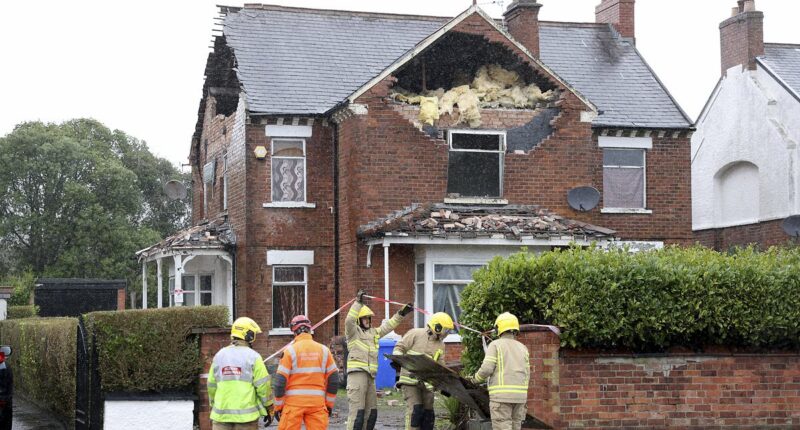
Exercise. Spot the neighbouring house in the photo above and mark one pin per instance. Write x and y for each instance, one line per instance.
(343, 150)
(745, 160)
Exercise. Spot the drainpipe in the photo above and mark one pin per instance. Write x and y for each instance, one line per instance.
(336, 226)
(386, 278)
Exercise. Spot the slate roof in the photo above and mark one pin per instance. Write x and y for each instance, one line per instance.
(784, 61)
(306, 61)
(515, 222)
(215, 234)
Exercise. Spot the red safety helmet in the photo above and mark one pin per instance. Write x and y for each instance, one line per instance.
(299, 322)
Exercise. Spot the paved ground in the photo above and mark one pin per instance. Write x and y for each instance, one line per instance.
(391, 412)
(28, 416)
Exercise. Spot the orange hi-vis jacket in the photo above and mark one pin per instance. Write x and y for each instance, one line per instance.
(308, 368)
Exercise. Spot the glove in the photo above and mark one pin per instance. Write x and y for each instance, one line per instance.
(471, 379)
(360, 296)
(395, 366)
(267, 420)
(278, 416)
(406, 309)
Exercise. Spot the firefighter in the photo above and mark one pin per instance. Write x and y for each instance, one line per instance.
(306, 381)
(362, 361)
(238, 383)
(428, 341)
(507, 368)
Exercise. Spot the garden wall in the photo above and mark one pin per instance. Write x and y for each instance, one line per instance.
(599, 390)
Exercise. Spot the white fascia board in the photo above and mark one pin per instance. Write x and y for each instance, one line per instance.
(281, 257)
(625, 142)
(288, 130)
(423, 240)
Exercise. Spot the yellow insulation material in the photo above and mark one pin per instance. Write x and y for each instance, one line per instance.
(428, 110)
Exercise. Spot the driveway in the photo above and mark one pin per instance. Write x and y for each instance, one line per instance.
(28, 416)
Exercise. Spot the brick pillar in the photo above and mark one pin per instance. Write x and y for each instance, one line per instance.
(742, 37)
(543, 390)
(620, 14)
(522, 21)
(211, 340)
(121, 299)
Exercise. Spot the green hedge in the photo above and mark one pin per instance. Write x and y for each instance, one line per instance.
(28, 311)
(650, 301)
(151, 350)
(43, 361)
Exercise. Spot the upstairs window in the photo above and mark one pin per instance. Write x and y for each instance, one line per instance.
(208, 185)
(288, 170)
(624, 178)
(225, 182)
(475, 165)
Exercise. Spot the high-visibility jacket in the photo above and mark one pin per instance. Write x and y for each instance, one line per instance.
(507, 367)
(362, 345)
(306, 375)
(239, 388)
(417, 341)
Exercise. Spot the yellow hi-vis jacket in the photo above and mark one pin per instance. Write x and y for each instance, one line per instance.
(507, 367)
(362, 345)
(239, 388)
(417, 341)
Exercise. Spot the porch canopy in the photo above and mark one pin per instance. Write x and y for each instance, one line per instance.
(478, 232)
(211, 244)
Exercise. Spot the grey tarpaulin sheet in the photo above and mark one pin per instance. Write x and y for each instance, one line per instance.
(475, 397)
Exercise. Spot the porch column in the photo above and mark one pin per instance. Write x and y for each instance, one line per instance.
(160, 284)
(178, 280)
(229, 287)
(144, 284)
(386, 279)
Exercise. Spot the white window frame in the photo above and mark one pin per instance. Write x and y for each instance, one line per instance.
(196, 293)
(208, 187)
(501, 151)
(430, 270)
(199, 292)
(285, 330)
(642, 209)
(288, 203)
(419, 319)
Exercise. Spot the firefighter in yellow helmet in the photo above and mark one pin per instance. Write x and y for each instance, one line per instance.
(428, 341)
(239, 388)
(506, 366)
(362, 361)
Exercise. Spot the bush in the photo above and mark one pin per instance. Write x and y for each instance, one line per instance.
(23, 288)
(150, 350)
(27, 311)
(43, 361)
(651, 301)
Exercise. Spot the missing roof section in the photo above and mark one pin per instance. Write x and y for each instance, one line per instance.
(530, 135)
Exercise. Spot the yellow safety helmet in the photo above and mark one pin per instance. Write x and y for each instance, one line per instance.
(245, 329)
(505, 322)
(365, 312)
(440, 322)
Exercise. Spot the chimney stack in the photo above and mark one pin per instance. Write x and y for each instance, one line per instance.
(742, 36)
(620, 14)
(522, 21)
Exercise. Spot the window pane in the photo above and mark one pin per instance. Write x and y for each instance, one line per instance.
(287, 148)
(205, 299)
(623, 188)
(187, 283)
(485, 142)
(473, 174)
(420, 272)
(206, 283)
(289, 274)
(288, 179)
(287, 301)
(454, 272)
(623, 157)
(446, 298)
(188, 299)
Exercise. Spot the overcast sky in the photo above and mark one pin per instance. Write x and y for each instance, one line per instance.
(137, 65)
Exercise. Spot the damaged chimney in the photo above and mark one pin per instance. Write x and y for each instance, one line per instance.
(742, 36)
(522, 21)
(620, 14)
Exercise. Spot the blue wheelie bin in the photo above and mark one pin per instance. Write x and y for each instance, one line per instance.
(386, 374)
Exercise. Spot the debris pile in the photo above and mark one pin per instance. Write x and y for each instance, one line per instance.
(492, 87)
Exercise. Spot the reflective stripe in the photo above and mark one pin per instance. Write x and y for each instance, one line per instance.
(320, 393)
(261, 381)
(212, 385)
(330, 397)
(306, 370)
(242, 377)
(408, 380)
(235, 411)
(284, 370)
(292, 354)
(331, 368)
(359, 344)
(490, 359)
(325, 353)
(356, 363)
(497, 389)
(352, 313)
(278, 402)
(480, 378)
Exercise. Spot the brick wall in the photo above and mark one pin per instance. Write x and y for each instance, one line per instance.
(620, 14)
(211, 341)
(763, 234)
(589, 390)
(742, 40)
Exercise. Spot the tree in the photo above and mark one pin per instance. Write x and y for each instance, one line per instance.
(78, 200)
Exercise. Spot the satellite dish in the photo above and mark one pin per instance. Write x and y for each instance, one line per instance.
(583, 198)
(791, 225)
(175, 190)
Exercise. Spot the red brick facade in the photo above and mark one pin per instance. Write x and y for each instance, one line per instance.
(763, 234)
(588, 390)
(620, 14)
(742, 39)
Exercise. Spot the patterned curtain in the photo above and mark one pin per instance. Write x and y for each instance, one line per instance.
(288, 179)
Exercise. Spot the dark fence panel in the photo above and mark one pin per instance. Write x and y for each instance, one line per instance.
(73, 297)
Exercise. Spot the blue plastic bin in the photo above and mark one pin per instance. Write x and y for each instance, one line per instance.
(386, 374)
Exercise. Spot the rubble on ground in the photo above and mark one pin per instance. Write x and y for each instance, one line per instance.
(492, 87)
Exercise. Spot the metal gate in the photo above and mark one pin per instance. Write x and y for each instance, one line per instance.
(88, 397)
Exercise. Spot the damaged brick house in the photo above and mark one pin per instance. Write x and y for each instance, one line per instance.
(399, 153)
(745, 159)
